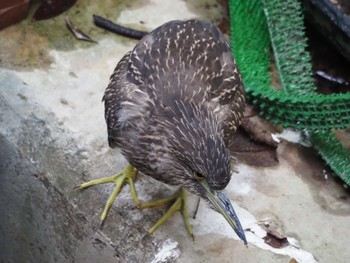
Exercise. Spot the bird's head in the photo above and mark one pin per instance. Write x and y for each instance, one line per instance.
(198, 144)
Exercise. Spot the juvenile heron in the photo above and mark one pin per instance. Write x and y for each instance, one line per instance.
(172, 106)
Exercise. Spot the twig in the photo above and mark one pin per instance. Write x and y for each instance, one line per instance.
(124, 31)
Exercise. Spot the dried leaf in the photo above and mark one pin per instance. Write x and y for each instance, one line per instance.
(274, 238)
(275, 242)
(251, 152)
(78, 33)
(258, 128)
(275, 233)
(51, 8)
(293, 260)
(253, 143)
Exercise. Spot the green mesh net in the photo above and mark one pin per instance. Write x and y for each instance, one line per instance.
(256, 27)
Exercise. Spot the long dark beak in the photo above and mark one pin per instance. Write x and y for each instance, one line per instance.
(222, 204)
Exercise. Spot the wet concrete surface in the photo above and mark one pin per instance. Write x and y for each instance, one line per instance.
(53, 137)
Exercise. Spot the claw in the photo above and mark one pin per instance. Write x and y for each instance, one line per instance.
(128, 175)
(179, 204)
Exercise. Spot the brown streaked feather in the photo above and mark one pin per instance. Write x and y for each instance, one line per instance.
(174, 102)
(193, 56)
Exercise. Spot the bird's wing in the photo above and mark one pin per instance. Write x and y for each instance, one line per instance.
(190, 59)
(194, 53)
(194, 56)
(124, 100)
(227, 96)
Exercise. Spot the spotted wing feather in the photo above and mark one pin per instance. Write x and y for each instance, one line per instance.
(188, 60)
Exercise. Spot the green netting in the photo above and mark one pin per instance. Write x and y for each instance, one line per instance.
(258, 25)
(250, 43)
(333, 152)
(286, 29)
(251, 50)
(251, 46)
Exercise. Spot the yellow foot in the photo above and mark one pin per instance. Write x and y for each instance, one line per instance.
(178, 200)
(128, 175)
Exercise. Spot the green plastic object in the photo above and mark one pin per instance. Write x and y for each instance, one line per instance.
(256, 27)
(333, 152)
(284, 25)
(251, 44)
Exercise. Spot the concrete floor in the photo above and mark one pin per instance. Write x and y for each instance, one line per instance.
(53, 137)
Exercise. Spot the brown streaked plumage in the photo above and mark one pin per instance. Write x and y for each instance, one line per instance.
(173, 105)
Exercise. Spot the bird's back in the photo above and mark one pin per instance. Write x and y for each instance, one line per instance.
(190, 62)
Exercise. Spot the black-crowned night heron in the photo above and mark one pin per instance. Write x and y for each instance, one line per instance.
(172, 106)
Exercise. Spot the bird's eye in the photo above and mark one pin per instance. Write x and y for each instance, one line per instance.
(198, 176)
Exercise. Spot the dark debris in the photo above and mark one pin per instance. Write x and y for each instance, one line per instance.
(51, 8)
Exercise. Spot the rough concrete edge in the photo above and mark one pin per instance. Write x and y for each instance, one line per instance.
(45, 131)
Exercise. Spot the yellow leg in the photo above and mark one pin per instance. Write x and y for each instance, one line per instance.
(179, 204)
(128, 175)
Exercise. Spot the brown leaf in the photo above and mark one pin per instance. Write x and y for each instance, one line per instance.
(275, 241)
(274, 238)
(51, 8)
(258, 128)
(78, 33)
(253, 143)
(293, 260)
(251, 152)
